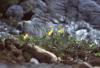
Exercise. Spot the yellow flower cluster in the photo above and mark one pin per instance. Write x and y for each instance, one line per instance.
(61, 31)
(50, 32)
(25, 36)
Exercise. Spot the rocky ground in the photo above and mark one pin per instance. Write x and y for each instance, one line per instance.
(34, 66)
(13, 54)
(79, 18)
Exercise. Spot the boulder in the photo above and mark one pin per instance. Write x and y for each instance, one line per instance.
(81, 34)
(90, 11)
(36, 27)
(15, 11)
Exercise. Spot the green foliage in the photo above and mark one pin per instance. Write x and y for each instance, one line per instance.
(21, 39)
(59, 42)
(97, 54)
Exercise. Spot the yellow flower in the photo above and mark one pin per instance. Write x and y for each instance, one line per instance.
(61, 31)
(50, 32)
(25, 36)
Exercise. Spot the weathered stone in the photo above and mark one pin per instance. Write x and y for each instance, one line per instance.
(15, 11)
(81, 34)
(35, 27)
(90, 11)
(30, 65)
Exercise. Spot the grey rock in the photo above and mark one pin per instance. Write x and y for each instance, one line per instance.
(30, 5)
(14, 31)
(35, 27)
(15, 11)
(41, 5)
(90, 11)
(8, 29)
(56, 7)
(97, 1)
(88, 5)
(5, 35)
(42, 8)
(71, 28)
(3, 66)
(51, 12)
(95, 36)
(27, 6)
(38, 13)
(81, 30)
(81, 34)
(34, 61)
(30, 65)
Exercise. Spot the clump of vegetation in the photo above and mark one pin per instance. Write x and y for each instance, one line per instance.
(61, 44)
(57, 42)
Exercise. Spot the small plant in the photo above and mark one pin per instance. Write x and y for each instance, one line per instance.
(97, 54)
(58, 42)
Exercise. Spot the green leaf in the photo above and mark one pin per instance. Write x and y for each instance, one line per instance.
(97, 54)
